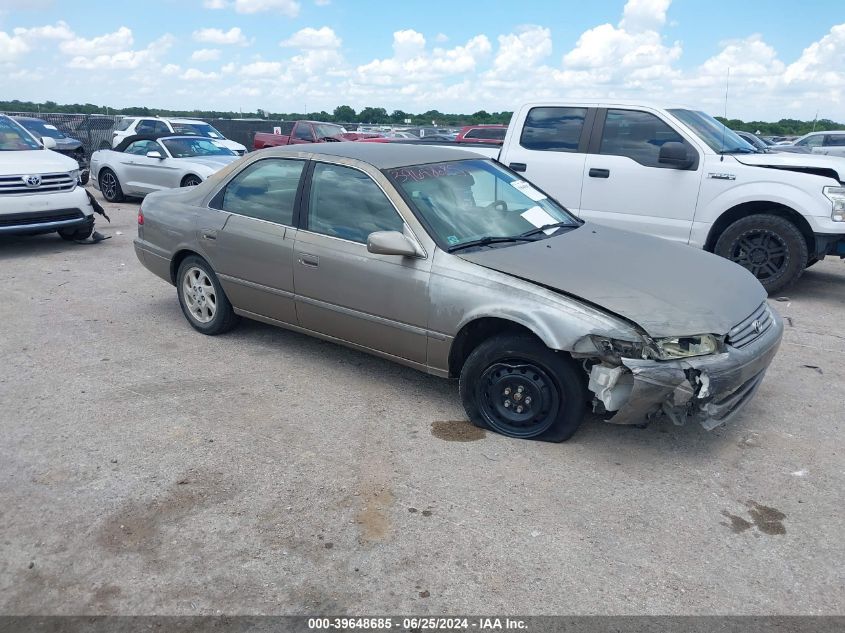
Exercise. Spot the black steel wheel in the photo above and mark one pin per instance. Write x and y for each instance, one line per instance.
(110, 186)
(516, 386)
(769, 246)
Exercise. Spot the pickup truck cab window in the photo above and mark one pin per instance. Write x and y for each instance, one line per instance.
(266, 190)
(637, 135)
(347, 203)
(553, 129)
(151, 126)
(834, 140)
(304, 133)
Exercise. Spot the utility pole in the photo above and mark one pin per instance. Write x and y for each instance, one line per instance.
(814, 120)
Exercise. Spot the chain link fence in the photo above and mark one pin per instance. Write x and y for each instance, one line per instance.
(95, 131)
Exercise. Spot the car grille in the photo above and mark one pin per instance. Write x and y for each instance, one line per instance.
(751, 328)
(50, 183)
(26, 219)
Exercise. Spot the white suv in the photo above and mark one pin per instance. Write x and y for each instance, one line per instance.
(39, 190)
(154, 126)
(679, 174)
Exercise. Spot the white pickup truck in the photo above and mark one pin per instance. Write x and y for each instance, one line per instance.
(39, 189)
(679, 174)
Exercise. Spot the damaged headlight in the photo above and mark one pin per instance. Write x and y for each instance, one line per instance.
(837, 196)
(615, 347)
(74, 175)
(686, 346)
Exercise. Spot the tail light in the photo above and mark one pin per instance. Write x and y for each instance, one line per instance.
(140, 217)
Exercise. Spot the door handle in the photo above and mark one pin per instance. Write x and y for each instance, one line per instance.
(599, 173)
(208, 234)
(518, 166)
(312, 261)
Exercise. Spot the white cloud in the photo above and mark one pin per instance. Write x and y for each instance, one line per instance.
(440, 38)
(108, 44)
(205, 55)
(261, 69)
(58, 31)
(122, 60)
(313, 38)
(289, 8)
(193, 74)
(215, 4)
(522, 51)
(11, 47)
(322, 3)
(644, 15)
(219, 36)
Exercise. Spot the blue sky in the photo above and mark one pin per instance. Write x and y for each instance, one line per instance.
(285, 55)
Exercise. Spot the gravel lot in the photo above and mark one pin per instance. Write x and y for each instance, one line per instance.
(145, 468)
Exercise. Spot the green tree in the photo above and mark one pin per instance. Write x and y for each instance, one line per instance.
(344, 114)
(373, 115)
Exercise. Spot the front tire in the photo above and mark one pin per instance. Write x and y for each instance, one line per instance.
(769, 246)
(110, 186)
(202, 299)
(516, 386)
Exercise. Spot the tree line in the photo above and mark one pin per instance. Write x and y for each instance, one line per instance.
(348, 114)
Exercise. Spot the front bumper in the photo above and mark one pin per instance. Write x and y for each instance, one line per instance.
(44, 212)
(827, 244)
(710, 390)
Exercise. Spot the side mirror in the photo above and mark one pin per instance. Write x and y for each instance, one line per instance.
(155, 154)
(390, 243)
(675, 155)
(48, 143)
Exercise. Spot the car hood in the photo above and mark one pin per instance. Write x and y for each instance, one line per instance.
(35, 161)
(667, 289)
(795, 162)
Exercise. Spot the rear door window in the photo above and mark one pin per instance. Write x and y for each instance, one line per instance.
(266, 190)
(637, 135)
(553, 129)
(835, 140)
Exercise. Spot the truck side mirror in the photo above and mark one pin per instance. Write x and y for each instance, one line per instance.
(48, 142)
(675, 155)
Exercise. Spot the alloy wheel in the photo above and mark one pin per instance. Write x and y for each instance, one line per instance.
(764, 253)
(199, 294)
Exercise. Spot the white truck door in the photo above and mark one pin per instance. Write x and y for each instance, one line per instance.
(546, 145)
(625, 184)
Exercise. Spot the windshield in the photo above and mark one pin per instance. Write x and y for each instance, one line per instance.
(720, 138)
(14, 138)
(327, 130)
(189, 147)
(203, 129)
(468, 200)
(42, 129)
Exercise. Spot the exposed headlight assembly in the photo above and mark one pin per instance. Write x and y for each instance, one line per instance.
(686, 346)
(836, 195)
(74, 175)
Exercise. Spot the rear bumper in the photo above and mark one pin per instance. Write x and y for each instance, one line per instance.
(710, 390)
(155, 263)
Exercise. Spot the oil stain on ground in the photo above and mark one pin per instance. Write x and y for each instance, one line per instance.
(457, 431)
(766, 519)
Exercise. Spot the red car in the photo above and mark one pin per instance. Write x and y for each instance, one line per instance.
(487, 134)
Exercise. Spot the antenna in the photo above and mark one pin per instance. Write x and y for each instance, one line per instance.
(724, 125)
(815, 120)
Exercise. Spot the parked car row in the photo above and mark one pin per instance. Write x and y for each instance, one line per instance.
(157, 126)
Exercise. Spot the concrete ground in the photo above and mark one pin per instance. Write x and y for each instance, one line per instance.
(145, 468)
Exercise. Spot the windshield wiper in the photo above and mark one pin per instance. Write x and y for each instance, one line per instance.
(738, 150)
(486, 241)
(546, 227)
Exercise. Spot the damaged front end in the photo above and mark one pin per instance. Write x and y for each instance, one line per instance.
(634, 384)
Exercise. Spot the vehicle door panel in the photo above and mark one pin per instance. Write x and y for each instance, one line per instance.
(626, 187)
(550, 151)
(254, 250)
(344, 291)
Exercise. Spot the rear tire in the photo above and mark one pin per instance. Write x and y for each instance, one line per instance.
(202, 299)
(191, 181)
(769, 246)
(516, 386)
(110, 186)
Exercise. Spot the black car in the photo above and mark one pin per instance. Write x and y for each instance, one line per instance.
(64, 144)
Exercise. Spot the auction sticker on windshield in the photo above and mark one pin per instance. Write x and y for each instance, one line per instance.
(539, 217)
(527, 190)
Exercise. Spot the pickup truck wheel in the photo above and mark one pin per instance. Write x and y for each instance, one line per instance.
(110, 187)
(769, 246)
(202, 299)
(516, 386)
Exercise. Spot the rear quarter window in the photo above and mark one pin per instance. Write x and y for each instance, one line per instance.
(553, 129)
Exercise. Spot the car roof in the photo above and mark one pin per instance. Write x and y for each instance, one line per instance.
(127, 141)
(381, 155)
(28, 118)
